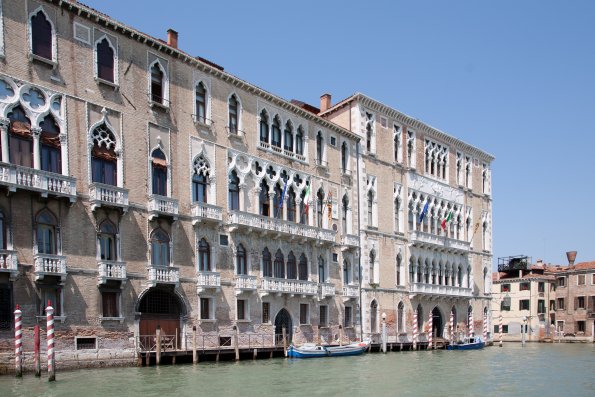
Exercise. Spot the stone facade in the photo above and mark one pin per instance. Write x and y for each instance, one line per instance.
(148, 193)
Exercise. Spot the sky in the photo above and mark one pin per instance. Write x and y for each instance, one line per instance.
(514, 78)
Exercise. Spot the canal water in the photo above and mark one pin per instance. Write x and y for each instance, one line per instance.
(535, 370)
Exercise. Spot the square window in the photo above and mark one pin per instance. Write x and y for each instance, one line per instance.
(223, 240)
(505, 305)
(304, 313)
(85, 343)
(581, 279)
(266, 310)
(333, 141)
(524, 304)
(505, 288)
(561, 281)
(323, 315)
(335, 257)
(524, 287)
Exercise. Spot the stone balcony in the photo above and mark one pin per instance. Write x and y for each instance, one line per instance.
(162, 206)
(244, 283)
(49, 265)
(206, 213)
(111, 270)
(44, 182)
(281, 286)
(446, 244)
(350, 241)
(207, 281)
(9, 263)
(326, 290)
(350, 292)
(278, 228)
(436, 289)
(102, 195)
(162, 275)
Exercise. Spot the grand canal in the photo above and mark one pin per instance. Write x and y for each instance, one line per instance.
(535, 370)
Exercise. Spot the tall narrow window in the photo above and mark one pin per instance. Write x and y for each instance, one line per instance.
(291, 266)
(103, 156)
(369, 137)
(370, 208)
(233, 114)
(291, 206)
(201, 103)
(346, 273)
(159, 248)
(320, 208)
(267, 264)
(105, 61)
(319, 148)
(411, 149)
(398, 269)
(264, 127)
(20, 140)
(276, 132)
(279, 265)
(200, 184)
(51, 158)
(278, 210)
(303, 268)
(371, 266)
(288, 137)
(46, 233)
(241, 260)
(321, 270)
(344, 209)
(263, 199)
(299, 141)
(397, 215)
(157, 88)
(344, 157)
(204, 256)
(397, 143)
(41, 36)
(107, 241)
(303, 206)
(159, 172)
(233, 196)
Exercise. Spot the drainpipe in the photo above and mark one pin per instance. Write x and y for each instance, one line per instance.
(359, 234)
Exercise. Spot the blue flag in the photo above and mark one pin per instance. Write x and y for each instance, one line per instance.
(282, 196)
(423, 212)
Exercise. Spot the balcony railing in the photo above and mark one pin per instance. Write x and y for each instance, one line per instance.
(294, 287)
(108, 195)
(350, 292)
(245, 283)
(206, 212)
(350, 240)
(161, 205)
(434, 289)
(49, 265)
(423, 238)
(280, 226)
(208, 280)
(327, 290)
(9, 262)
(111, 270)
(44, 182)
(163, 275)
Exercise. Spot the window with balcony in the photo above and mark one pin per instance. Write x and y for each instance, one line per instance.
(204, 256)
(241, 266)
(278, 210)
(160, 248)
(276, 132)
(105, 60)
(51, 158)
(288, 136)
(291, 267)
(46, 239)
(346, 272)
(20, 139)
(267, 263)
(242, 310)
(110, 304)
(200, 186)
(560, 303)
(42, 36)
(233, 114)
(157, 83)
(159, 172)
(304, 314)
(279, 265)
(291, 205)
(299, 141)
(347, 316)
(320, 208)
(321, 270)
(263, 199)
(266, 312)
(107, 241)
(264, 127)
(319, 148)
(304, 207)
(200, 104)
(103, 156)
(233, 192)
(303, 268)
(323, 316)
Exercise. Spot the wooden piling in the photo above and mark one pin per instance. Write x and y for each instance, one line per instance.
(254, 354)
(194, 354)
(158, 348)
(235, 343)
(284, 333)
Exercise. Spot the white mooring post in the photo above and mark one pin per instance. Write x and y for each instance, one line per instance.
(431, 331)
(500, 329)
(18, 342)
(50, 341)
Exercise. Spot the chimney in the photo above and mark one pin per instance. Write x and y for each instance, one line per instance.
(325, 102)
(172, 38)
(571, 255)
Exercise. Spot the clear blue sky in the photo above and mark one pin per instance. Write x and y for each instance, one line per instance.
(515, 78)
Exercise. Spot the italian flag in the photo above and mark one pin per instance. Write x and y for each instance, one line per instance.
(446, 220)
(307, 199)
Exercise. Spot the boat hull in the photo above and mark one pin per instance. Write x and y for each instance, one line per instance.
(354, 349)
(467, 346)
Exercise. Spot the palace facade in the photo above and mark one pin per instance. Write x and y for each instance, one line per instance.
(146, 187)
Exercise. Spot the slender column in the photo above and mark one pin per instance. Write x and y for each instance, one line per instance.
(18, 343)
(50, 341)
(272, 207)
(298, 213)
(4, 124)
(242, 187)
(36, 132)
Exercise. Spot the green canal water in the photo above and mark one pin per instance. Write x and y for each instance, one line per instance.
(535, 370)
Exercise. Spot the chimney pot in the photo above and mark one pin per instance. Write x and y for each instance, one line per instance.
(571, 255)
(172, 38)
(325, 102)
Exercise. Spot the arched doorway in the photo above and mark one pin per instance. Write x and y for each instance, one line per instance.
(437, 323)
(283, 320)
(159, 307)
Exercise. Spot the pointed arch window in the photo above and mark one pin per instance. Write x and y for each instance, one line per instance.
(241, 266)
(107, 241)
(51, 157)
(201, 103)
(319, 148)
(157, 84)
(344, 209)
(233, 192)
(279, 265)
(46, 230)
(160, 248)
(370, 208)
(320, 208)
(278, 210)
(288, 138)
(159, 172)
(291, 266)
(41, 36)
(267, 264)
(321, 270)
(263, 199)
(264, 127)
(344, 153)
(234, 111)
(299, 141)
(103, 156)
(369, 137)
(371, 266)
(291, 205)
(200, 180)
(303, 212)
(397, 215)
(204, 256)
(105, 61)
(303, 268)
(20, 140)
(276, 132)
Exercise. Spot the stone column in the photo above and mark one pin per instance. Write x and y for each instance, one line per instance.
(36, 132)
(298, 212)
(241, 193)
(4, 124)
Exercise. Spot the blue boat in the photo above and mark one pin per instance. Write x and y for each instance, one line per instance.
(311, 350)
(470, 343)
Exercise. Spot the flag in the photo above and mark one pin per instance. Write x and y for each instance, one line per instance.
(306, 199)
(329, 205)
(446, 220)
(423, 212)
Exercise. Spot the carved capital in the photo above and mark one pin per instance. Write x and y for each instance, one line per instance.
(63, 138)
(4, 123)
(36, 131)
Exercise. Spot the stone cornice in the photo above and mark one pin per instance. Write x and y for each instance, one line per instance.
(86, 12)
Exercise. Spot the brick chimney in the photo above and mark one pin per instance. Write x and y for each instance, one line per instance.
(172, 38)
(325, 102)
(571, 255)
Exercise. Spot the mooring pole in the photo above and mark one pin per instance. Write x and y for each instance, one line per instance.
(431, 331)
(500, 328)
(340, 335)
(18, 342)
(235, 342)
(284, 333)
(49, 310)
(383, 332)
(36, 358)
(158, 348)
(194, 354)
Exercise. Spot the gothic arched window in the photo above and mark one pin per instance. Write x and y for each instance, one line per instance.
(105, 61)
(160, 248)
(41, 36)
(204, 256)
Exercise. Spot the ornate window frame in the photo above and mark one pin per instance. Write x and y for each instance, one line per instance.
(116, 82)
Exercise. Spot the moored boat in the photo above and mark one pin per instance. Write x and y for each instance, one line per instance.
(311, 350)
(470, 343)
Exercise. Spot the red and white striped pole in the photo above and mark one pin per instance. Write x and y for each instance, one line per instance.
(452, 327)
(500, 329)
(485, 328)
(50, 339)
(415, 330)
(471, 331)
(18, 342)
(431, 331)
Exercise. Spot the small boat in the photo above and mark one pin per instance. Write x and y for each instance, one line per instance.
(469, 343)
(311, 350)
